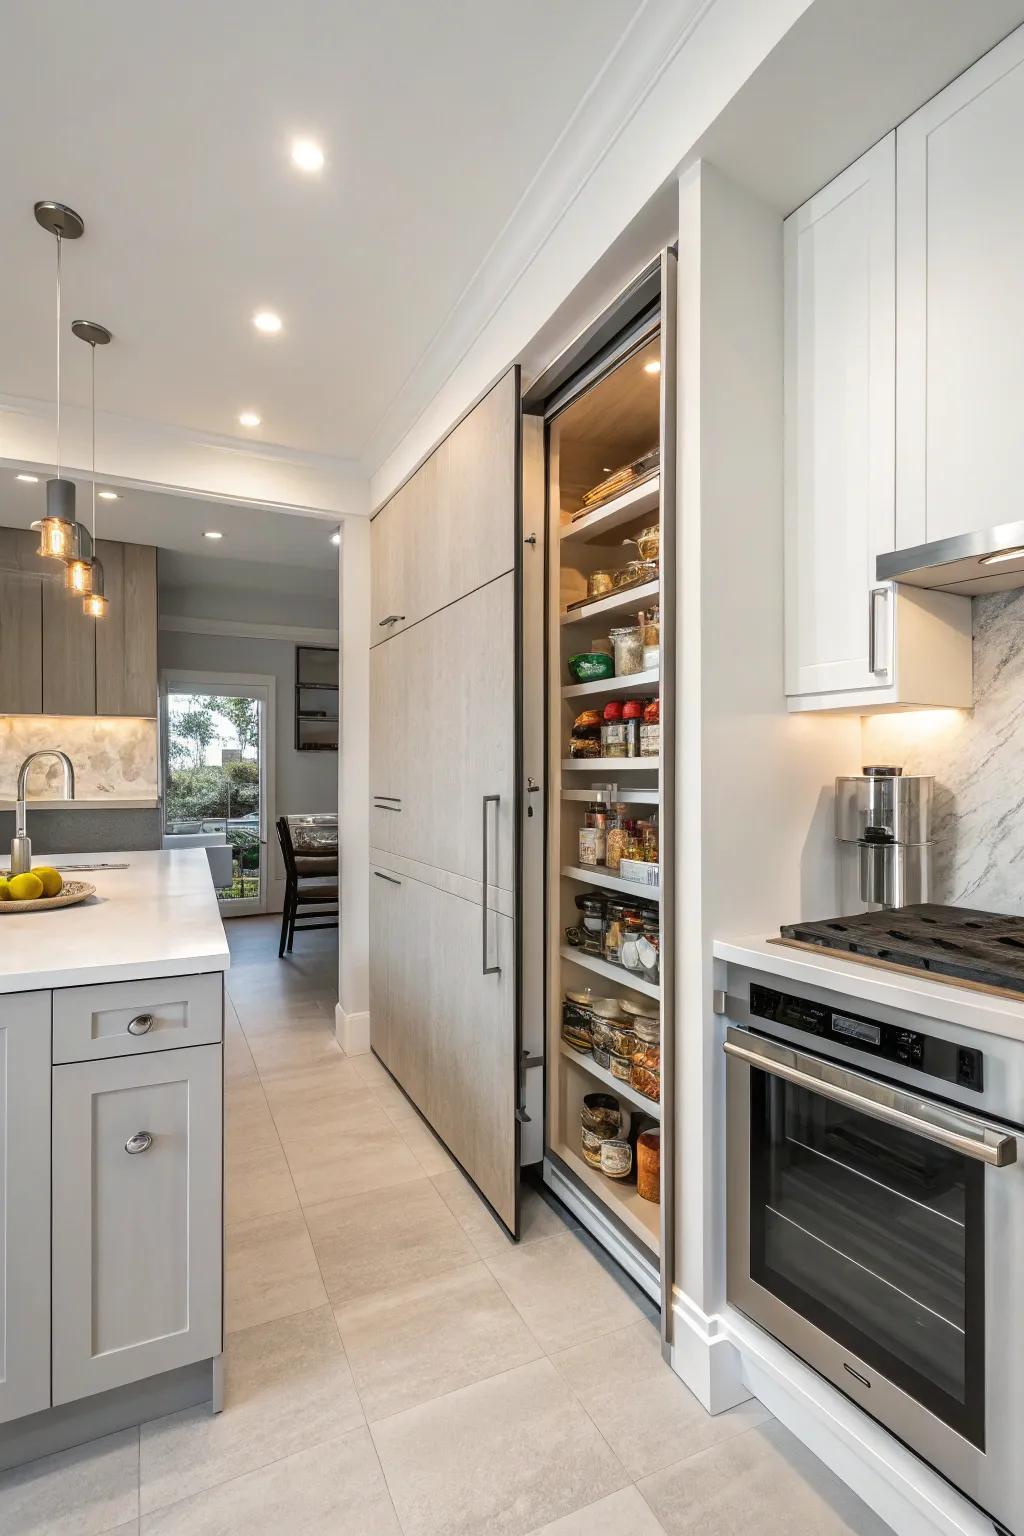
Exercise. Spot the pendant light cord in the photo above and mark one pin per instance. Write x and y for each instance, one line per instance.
(58, 352)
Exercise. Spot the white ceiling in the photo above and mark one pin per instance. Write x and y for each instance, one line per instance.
(168, 128)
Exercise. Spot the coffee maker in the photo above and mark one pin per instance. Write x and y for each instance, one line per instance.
(883, 827)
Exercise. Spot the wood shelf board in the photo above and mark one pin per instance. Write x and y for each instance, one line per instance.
(610, 764)
(601, 877)
(625, 508)
(613, 1084)
(609, 972)
(637, 682)
(641, 1217)
(616, 602)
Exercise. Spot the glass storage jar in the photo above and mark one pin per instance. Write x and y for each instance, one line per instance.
(651, 639)
(628, 648)
(613, 932)
(645, 1073)
(632, 933)
(577, 1023)
(600, 583)
(592, 927)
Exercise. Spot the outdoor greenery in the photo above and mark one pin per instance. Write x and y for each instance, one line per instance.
(217, 792)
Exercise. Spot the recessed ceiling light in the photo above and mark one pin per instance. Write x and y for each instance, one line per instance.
(1003, 554)
(249, 419)
(307, 155)
(266, 321)
(654, 367)
(211, 533)
(28, 479)
(108, 496)
(336, 536)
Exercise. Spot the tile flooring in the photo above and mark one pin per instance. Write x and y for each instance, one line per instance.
(394, 1366)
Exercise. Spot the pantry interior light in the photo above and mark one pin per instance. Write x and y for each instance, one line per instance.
(266, 321)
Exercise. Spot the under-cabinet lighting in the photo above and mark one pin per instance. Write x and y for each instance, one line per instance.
(248, 419)
(654, 367)
(266, 321)
(108, 496)
(28, 479)
(211, 533)
(307, 155)
(1003, 554)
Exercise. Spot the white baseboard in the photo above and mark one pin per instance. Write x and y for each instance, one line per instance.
(352, 1031)
(726, 1359)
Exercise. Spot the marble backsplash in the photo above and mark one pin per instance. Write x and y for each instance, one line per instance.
(115, 759)
(977, 757)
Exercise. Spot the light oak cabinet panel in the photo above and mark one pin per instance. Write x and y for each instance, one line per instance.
(21, 643)
(126, 640)
(24, 1205)
(69, 654)
(450, 529)
(960, 304)
(383, 915)
(136, 1217)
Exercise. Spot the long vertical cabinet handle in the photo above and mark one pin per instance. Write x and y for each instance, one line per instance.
(873, 663)
(495, 800)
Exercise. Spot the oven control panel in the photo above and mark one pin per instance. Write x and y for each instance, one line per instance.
(942, 1059)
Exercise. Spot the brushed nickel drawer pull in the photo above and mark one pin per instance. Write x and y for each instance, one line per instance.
(140, 1142)
(141, 1024)
(392, 618)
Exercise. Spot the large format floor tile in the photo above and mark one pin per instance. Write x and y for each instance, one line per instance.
(81, 1492)
(430, 1337)
(765, 1481)
(328, 1490)
(287, 1386)
(564, 1293)
(257, 1182)
(495, 1459)
(332, 1163)
(537, 1219)
(371, 1243)
(640, 1406)
(270, 1270)
(625, 1513)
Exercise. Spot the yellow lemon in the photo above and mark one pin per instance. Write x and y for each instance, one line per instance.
(53, 882)
(5, 889)
(25, 888)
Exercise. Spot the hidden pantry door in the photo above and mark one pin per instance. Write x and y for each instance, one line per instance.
(445, 840)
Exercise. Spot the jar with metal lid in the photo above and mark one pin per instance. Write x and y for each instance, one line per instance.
(628, 647)
(632, 933)
(613, 932)
(645, 1073)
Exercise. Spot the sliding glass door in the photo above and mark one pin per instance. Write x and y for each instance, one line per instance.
(217, 774)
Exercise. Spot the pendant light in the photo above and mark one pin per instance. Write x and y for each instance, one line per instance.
(59, 536)
(84, 574)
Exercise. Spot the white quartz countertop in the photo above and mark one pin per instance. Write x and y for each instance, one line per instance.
(874, 984)
(157, 917)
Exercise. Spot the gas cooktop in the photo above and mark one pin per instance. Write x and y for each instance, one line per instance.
(952, 944)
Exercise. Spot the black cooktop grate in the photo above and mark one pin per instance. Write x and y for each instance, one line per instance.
(950, 943)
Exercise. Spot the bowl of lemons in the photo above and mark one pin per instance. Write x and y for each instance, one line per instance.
(39, 889)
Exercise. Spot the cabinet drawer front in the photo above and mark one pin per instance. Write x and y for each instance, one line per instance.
(136, 1218)
(123, 1018)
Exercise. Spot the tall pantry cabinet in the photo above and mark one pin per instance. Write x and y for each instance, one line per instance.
(449, 571)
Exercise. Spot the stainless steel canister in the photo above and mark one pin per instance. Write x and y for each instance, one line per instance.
(883, 826)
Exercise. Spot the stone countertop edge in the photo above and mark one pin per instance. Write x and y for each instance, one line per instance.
(993, 1015)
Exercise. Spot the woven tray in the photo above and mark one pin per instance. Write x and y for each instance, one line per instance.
(73, 892)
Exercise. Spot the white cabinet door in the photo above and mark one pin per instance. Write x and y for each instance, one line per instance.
(960, 296)
(840, 401)
(136, 1217)
(24, 1205)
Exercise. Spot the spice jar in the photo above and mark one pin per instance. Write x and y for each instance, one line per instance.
(628, 647)
(648, 1165)
(645, 1073)
(613, 932)
(632, 933)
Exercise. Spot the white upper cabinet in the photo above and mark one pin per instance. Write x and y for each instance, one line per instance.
(853, 642)
(960, 304)
(840, 295)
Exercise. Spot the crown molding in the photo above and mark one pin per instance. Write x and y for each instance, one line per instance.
(645, 51)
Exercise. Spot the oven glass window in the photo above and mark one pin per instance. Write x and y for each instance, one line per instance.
(875, 1235)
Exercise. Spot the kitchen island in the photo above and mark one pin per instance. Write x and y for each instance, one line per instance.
(111, 1151)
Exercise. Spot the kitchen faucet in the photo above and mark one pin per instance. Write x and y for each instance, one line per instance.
(21, 844)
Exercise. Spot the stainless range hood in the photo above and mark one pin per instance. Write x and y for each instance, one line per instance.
(970, 564)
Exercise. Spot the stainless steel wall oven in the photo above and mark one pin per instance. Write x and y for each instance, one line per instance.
(876, 1219)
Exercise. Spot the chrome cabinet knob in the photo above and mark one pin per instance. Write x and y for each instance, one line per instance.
(140, 1142)
(141, 1024)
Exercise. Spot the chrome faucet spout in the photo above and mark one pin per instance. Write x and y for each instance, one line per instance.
(21, 846)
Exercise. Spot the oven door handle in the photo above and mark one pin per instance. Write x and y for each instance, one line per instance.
(936, 1122)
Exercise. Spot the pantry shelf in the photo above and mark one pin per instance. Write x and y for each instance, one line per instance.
(607, 882)
(638, 501)
(641, 1217)
(610, 764)
(613, 973)
(608, 687)
(613, 1084)
(632, 597)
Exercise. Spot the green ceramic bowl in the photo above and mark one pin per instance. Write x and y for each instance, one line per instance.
(591, 666)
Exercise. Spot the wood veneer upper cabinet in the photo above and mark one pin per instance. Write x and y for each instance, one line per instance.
(960, 303)
(69, 654)
(21, 623)
(447, 531)
(126, 640)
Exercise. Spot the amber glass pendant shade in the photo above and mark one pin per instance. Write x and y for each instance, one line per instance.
(95, 604)
(56, 538)
(78, 577)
